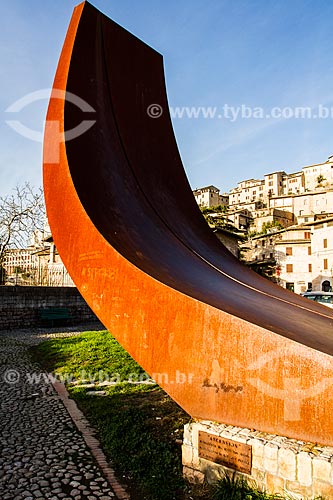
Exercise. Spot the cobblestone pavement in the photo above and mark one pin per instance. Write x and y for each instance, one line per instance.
(42, 454)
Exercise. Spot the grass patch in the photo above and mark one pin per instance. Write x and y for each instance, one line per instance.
(237, 488)
(139, 426)
(88, 356)
(139, 430)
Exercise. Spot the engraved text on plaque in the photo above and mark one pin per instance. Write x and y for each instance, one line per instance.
(226, 452)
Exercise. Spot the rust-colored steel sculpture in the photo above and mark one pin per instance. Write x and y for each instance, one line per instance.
(226, 344)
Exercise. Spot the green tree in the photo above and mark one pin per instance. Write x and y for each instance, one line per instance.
(320, 179)
(269, 226)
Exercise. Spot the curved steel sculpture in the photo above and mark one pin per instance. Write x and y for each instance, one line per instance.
(226, 344)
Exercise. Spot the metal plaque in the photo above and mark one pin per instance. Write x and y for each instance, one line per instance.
(226, 452)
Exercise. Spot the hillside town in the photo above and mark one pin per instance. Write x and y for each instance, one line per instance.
(280, 226)
(286, 221)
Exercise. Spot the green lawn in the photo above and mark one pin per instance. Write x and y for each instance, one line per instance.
(94, 355)
(139, 426)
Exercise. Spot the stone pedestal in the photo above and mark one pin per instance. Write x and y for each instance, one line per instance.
(277, 464)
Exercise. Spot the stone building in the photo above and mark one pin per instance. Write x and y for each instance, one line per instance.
(305, 195)
(319, 175)
(52, 271)
(209, 196)
(307, 206)
(302, 255)
(241, 219)
(38, 265)
(262, 217)
(247, 192)
(18, 258)
(293, 184)
(294, 260)
(280, 184)
(230, 239)
(18, 262)
(322, 254)
(299, 256)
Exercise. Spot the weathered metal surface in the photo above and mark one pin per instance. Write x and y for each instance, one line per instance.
(226, 344)
(232, 454)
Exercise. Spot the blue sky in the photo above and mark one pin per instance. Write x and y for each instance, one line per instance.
(255, 53)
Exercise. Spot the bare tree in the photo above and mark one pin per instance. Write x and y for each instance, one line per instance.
(21, 214)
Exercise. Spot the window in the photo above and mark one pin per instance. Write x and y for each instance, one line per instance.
(271, 255)
(263, 243)
(289, 251)
(326, 286)
(325, 264)
(289, 268)
(290, 286)
(307, 235)
(310, 268)
(309, 251)
(325, 243)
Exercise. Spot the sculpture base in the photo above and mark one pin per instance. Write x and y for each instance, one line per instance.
(277, 464)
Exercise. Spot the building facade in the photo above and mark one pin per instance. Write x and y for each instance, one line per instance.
(306, 207)
(37, 265)
(210, 196)
(302, 255)
(280, 184)
(18, 260)
(319, 176)
(292, 215)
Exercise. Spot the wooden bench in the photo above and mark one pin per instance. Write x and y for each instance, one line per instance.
(54, 316)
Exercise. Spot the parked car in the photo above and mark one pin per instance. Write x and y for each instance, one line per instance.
(325, 298)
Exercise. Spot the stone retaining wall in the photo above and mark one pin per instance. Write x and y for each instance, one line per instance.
(279, 464)
(19, 305)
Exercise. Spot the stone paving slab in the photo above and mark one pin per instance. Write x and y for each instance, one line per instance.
(42, 453)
